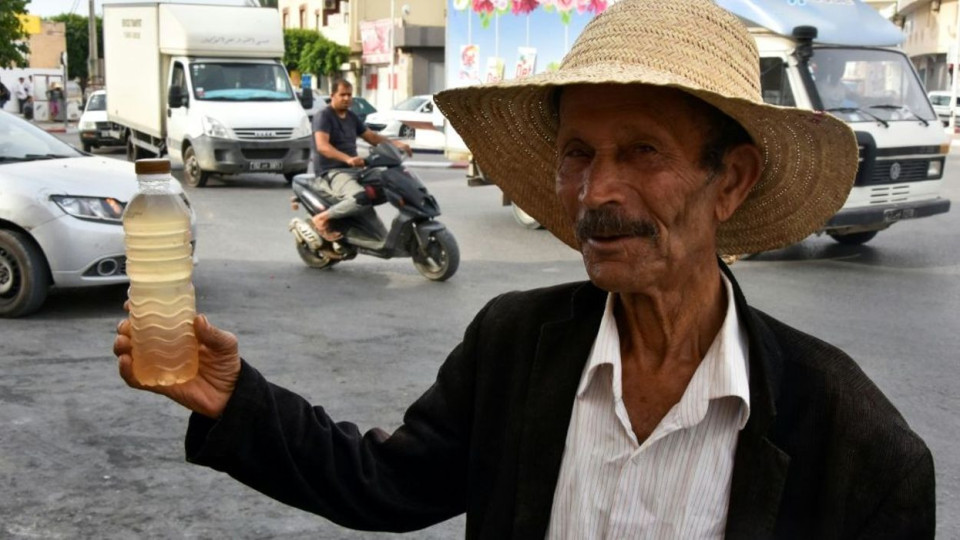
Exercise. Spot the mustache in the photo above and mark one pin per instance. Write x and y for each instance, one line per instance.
(605, 222)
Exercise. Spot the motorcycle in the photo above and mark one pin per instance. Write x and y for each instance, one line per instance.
(414, 232)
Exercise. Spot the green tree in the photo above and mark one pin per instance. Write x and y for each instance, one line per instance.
(14, 46)
(294, 41)
(323, 57)
(78, 43)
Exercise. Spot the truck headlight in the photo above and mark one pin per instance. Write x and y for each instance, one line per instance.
(303, 130)
(935, 168)
(87, 125)
(104, 209)
(215, 128)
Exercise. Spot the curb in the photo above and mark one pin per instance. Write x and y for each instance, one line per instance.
(436, 164)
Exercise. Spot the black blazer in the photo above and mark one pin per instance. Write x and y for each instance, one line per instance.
(824, 454)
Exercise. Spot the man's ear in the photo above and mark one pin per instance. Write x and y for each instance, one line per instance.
(742, 167)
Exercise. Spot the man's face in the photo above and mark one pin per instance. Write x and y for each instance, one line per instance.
(341, 98)
(628, 176)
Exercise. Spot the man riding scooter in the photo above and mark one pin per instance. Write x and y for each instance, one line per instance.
(335, 160)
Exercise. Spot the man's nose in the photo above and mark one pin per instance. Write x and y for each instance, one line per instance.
(603, 183)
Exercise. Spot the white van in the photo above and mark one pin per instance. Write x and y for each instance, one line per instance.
(205, 85)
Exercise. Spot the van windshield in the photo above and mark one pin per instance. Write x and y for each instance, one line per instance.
(217, 81)
(864, 85)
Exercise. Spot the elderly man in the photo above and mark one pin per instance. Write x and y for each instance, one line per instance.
(651, 401)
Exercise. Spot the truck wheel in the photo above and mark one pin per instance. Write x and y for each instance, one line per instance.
(134, 152)
(24, 280)
(854, 239)
(193, 175)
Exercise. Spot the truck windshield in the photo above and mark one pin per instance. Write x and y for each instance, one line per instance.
(868, 85)
(216, 81)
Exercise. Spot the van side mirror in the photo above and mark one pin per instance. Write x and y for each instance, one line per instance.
(306, 97)
(175, 98)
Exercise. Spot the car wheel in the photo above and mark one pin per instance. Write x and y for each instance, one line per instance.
(854, 239)
(24, 280)
(193, 175)
(406, 132)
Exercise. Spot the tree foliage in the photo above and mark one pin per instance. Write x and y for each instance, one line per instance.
(294, 40)
(323, 57)
(78, 43)
(14, 45)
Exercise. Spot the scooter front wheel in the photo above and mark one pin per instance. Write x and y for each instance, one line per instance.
(314, 259)
(439, 259)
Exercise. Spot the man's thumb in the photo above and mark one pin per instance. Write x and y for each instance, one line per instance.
(213, 337)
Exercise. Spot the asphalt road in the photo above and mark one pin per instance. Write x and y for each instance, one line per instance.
(82, 456)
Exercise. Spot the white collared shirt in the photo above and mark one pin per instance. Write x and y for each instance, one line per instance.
(676, 484)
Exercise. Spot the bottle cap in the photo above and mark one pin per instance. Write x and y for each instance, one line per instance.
(152, 166)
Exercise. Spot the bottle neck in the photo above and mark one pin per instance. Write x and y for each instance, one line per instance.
(154, 183)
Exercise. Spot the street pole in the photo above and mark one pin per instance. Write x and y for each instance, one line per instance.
(956, 69)
(393, 54)
(92, 64)
(64, 61)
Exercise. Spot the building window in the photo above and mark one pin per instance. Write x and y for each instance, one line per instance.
(303, 15)
(286, 17)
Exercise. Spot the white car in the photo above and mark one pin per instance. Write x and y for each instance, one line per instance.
(417, 109)
(941, 105)
(60, 216)
(94, 127)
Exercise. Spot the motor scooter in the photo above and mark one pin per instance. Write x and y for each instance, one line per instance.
(413, 233)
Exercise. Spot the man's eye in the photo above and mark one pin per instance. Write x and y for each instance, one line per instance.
(575, 153)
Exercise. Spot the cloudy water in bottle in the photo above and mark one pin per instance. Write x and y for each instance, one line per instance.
(156, 224)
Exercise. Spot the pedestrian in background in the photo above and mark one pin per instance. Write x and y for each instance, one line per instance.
(22, 94)
(652, 401)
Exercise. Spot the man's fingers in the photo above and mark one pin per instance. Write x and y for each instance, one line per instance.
(122, 345)
(125, 365)
(215, 339)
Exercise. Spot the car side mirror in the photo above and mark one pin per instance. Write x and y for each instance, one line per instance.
(175, 98)
(306, 98)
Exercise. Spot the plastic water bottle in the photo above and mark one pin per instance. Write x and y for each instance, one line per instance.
(160, 265)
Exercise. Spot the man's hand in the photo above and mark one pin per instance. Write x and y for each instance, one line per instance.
(356, 161)
(209, 391)
(404, 147)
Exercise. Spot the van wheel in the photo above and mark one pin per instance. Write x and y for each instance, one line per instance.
(24, 280)
(854, 239)
(193, 175)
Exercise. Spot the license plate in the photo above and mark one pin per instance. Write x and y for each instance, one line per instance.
(266, 165)
(896, 214)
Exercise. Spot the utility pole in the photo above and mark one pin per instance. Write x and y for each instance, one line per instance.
(93, 64)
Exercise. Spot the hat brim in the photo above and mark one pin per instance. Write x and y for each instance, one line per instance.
(810, 158)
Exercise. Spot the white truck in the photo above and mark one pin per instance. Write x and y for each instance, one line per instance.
(205, 85)
(831, 55)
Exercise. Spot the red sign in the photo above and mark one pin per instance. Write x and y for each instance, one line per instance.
(375, 36)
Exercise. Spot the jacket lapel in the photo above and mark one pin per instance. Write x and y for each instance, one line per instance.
(562, 351)
(759, 468)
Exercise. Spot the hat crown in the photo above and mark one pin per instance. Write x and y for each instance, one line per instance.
(693, 43)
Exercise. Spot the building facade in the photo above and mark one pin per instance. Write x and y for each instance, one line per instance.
(931, 28)
(396, 46)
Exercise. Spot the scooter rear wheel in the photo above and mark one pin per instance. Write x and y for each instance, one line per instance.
(441, 257)
(314, 259)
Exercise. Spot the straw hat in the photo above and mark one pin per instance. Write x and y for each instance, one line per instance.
(810, 158)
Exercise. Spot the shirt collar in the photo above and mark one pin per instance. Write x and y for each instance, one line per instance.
(723, 371)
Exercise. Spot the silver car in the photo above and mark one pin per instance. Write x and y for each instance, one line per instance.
(60, 216)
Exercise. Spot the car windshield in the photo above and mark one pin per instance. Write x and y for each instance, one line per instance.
(867, 85)
(22, 141)
(216, 81)
(98, 102)
(410, 104)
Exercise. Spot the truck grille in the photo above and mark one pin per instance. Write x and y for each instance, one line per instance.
(910, 170)
(264, 153)
(261, 134)
(890, 193)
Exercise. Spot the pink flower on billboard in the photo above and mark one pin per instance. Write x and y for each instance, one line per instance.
(483, 6)
(599, 6)
(501, 5)
(521, 7)
(564, 6)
